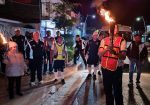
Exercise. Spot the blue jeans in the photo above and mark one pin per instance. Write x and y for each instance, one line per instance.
(135, 65)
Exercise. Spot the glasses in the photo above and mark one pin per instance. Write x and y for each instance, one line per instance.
(14, 47)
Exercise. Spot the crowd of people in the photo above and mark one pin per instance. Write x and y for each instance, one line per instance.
(105, 53)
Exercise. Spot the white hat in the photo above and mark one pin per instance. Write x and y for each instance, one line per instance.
(17, 29)
(12, 44)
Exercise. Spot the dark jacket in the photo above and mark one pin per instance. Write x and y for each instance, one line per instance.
(20, 40)
(35, 51)
(138, 52)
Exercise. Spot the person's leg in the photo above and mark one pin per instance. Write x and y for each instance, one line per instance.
(45, 67)
(83, 57)
(117, 86)
(39, 71)
(89, 69)
(46, 62)
(131, 70)
(95, 71)
(11, 87)
(18, 86)
(50, 62)
(62, 75)
(107, 82)
(76, 54)
(33, 69)
(139, 69)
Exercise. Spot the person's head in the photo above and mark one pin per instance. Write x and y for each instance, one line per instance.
(17, 31)
(12, 46)
(48, 33)
(36, 36)
(116, 30)
(137, 38)
(78, 38)
(60, 40)
(95, 35)
(58, 33)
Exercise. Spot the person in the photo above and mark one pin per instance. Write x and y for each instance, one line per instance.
(137, 54)
(93, 58)
(14, 69)
(79, 48)
(20, 40)
(58, 34)
(60, 53)
(112, 49)
(35, 53)
(49, 45)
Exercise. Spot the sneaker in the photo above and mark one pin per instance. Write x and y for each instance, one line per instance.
(99, 73)
(63, 81)
(89, 76)
(94, 77)
(44, 73)
(40, 82)
(55, 80)
(50, 73)
(32, 84)
(137, 82)
(11, 97)
(130, 83)
(19, 94)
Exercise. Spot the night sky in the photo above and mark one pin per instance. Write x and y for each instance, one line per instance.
(124, 11)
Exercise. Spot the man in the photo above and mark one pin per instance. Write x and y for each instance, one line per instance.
(137, 54)
(20, 40)
(35, 54)
(112, 49)
(60, 52)
(48, 44)
(79, 48)
(93, 58)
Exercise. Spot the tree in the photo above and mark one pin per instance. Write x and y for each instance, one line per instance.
(65, 16)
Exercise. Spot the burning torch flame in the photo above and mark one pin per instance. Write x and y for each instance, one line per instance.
(106, 14)
(3, 38)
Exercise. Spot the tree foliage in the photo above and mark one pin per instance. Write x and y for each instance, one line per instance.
(63, 17)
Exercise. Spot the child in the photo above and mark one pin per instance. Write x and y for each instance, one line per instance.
(59, 59)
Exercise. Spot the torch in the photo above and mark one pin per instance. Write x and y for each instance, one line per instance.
(111, 22)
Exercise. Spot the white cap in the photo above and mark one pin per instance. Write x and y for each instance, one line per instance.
(12, 44)
(17, 29)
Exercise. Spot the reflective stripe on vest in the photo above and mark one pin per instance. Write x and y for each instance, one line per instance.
(110, 61)
(60, 52)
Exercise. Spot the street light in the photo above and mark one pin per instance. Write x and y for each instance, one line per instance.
(85, 22)
(142, 18)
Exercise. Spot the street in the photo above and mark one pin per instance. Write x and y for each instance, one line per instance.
(77, 90)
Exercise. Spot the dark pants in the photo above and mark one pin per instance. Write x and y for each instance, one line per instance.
(11, 81)
(3, 66)
(49, 60)
(112, 81)
(82, 55)
(35, 66)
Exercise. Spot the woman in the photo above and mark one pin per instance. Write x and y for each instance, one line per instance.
(14, 69)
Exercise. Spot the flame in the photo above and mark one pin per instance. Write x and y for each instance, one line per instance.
(3, 38)
(106, 14)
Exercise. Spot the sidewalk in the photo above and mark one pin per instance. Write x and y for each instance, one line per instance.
(48, 93)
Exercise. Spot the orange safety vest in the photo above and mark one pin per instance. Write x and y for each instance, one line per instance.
(110, 61)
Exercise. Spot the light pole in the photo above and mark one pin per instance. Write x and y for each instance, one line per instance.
(138, 19)
(85, 23)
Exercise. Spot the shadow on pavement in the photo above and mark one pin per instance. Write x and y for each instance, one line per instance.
(145, 99)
